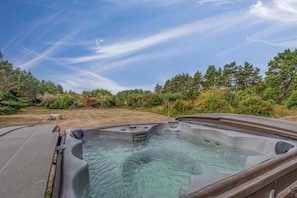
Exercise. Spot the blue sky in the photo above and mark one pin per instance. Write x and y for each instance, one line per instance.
(126, 44)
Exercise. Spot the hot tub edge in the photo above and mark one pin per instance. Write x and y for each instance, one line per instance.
(75, 171)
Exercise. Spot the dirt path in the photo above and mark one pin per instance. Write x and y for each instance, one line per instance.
(81, 117)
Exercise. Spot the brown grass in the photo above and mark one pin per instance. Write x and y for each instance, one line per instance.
(80, 118)
(84, 118)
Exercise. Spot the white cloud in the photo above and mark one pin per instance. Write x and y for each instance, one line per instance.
(121, 48)
(278, 10)
(114, 64)
(145, 2)
(37, 57)
(40, 56)
(217, 2)
(80, 80)
(89, 82)
(169, 2)
(284, 42)
(127, 47)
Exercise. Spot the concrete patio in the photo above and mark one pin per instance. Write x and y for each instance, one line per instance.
(26, 155)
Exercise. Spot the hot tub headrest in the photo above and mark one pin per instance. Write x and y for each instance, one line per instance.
(78, 133)
(282, 147)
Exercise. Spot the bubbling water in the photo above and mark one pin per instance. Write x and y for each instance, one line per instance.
(159, 167)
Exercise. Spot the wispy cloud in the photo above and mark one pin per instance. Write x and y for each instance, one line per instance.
(42, 25)
(72, 82)
(119, 63)
(284, 42)
(278, 10)
(103, 43)
(171, 2)
(217, 2)
(127, 47)
(37, 57)
(79, 80)
(118, 49)
(279, 19)
(145, 2)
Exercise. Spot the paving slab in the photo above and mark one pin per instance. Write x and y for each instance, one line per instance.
(26, 155)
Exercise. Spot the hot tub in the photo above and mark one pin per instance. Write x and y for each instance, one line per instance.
(267, 148)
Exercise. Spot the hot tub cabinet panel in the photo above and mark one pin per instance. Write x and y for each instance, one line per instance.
(75, 173)
(271, 167)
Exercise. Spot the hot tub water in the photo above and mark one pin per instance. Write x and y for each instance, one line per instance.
(159, 167)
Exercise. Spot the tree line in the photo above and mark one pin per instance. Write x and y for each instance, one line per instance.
(19, 88)
(233, 88)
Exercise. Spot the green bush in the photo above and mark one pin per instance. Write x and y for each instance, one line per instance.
(181, 107)
(213, 100)
(63, 102)
(254, 105)
(10, 104)
(270, 94)
(292, 101)
(8, 110)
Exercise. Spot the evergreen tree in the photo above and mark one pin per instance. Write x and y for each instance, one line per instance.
(230, 72)
(281, 75)
(247, 76)
(219, 78)
(178, 84)
(209, 78)
(158, 89)
(195, 86)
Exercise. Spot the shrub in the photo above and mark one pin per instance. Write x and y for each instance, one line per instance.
(213, 100)
(11, 104)
(270, 94)
(181, 107)
(280, 111)
(63, 102)
(254, 105)
(292, 101)
(8, 110)
(47, 99)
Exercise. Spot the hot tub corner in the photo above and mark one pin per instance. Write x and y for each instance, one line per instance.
(75, 171)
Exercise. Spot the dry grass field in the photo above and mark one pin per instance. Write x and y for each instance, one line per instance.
(80, 118)
(84, 118)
